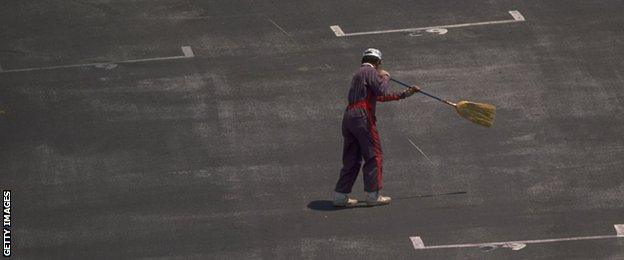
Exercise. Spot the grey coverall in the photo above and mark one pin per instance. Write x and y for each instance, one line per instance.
(361, 140)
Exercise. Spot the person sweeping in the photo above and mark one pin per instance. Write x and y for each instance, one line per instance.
(361, 140)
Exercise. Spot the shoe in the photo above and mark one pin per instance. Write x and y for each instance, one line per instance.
(343, 200)
(374, 199)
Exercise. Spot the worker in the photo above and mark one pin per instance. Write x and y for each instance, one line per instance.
(361, 140)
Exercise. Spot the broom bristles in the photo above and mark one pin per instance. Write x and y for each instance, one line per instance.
(479, 113)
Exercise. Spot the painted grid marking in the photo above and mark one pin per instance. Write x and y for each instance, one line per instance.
(418, 243)
(186, 50)
(517, 17)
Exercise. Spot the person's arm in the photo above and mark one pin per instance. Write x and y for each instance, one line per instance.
(380, 84)
(390, 97)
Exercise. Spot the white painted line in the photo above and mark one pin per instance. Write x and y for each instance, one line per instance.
(421, 152)
(53, 67)
(515, 14)
(517, 245)
(152, 59)
(188, 53)
(278, 27)
(337, 30)
(437, 30)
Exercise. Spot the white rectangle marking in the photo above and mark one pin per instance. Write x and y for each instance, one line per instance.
(339, 32)
(417, 242)
(517, 16)
(619, 228)
(188, 52)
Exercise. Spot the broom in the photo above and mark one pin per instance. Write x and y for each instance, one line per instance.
(479, 113)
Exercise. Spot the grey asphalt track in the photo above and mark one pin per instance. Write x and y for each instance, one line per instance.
(233, 153)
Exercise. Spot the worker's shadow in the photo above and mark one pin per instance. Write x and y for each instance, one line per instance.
(327, 205)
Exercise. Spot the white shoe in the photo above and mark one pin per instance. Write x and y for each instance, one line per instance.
(374, 199)
(343, 200)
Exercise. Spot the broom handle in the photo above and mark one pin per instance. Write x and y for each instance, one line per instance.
(425, 93)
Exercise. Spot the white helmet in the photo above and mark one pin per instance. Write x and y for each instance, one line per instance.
(372, 52)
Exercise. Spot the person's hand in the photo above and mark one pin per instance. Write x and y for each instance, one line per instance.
(410, 91)
(384, 73)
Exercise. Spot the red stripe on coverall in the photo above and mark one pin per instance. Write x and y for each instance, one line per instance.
(365, 104)
(372, 125)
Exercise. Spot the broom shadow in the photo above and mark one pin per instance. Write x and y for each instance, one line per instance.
(430, 195)
(326, 205)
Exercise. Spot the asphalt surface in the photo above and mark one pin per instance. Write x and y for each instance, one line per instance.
(233, 153)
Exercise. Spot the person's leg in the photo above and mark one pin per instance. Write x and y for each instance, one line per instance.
(368, 139)
(351, 161)
(372, 170)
